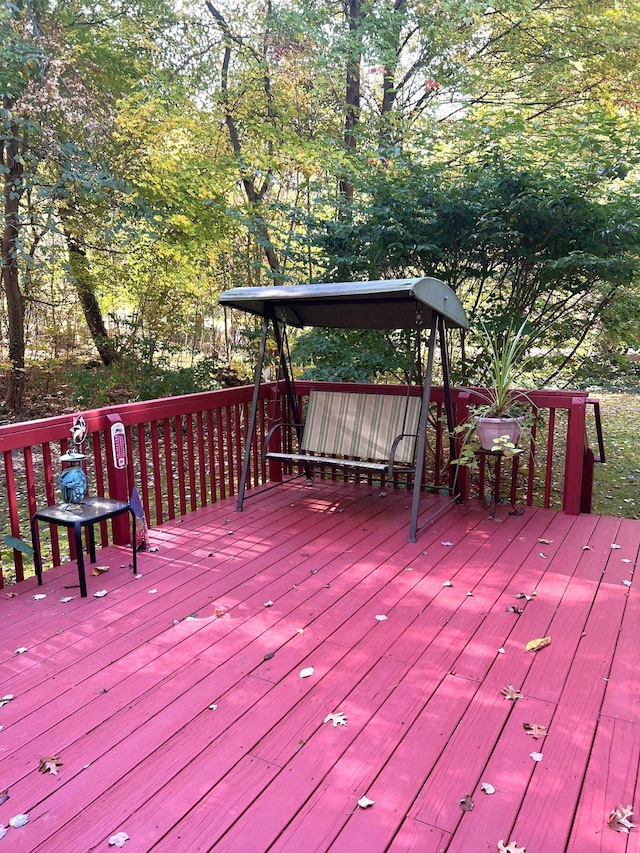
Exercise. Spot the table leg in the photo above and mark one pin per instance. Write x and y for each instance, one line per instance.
(35, 541)
(133, 542)
(92, 544)
(77, 530)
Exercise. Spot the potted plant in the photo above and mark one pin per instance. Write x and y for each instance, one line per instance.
(504, 413)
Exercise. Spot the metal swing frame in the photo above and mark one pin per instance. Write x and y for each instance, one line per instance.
(388, 304)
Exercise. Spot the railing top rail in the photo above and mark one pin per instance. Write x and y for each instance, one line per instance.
(27, 433)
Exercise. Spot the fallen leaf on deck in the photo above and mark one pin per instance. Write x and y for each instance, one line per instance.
(543, 555)
(510, 848)
(488, 788)
(11, 594)
(39, 596)
(470, 594)
(365, 802)
(501, 651)
(523, 595)
(3, 831)
(535, 730)
(619, 821)
(540, 643)
(66, 599)
(512, 692)
(305, 673)
(50, 765)
(587, 548)
(268, 604)
(152, 591)
(19, 820)
(615, 547)
(218, 612)
(382, 618)
(21, 650)
(99, 570)
(447, 544)
(337, 718)
(466, 803)
(537, 756)
(269, 655)
(545, 541)
(100, 593)
(447, 583)
(625, 560)
(513, 609)
(299, 630)
(118, 839)
(627, 583)
(6, 699)
(213, 707)
(4, 796)
(153, 548)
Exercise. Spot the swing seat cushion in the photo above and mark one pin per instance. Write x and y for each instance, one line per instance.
(347, 428)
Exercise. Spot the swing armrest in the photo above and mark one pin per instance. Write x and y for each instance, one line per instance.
(269, 436)
(394, 447)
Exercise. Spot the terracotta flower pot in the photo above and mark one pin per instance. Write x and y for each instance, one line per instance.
(490, 429)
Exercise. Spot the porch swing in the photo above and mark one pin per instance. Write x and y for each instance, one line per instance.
(378, 433)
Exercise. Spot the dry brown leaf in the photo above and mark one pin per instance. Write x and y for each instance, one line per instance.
(99, 570)
(511, 847)
(545, 541)
(50, 765)
(536, 731)
(4, 796)
(536, 645)
(619, 821)
(466, 803)
(512, 692)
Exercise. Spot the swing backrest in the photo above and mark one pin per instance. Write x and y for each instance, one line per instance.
(362, 426)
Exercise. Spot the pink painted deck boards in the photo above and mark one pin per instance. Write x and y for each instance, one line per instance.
(120, 687)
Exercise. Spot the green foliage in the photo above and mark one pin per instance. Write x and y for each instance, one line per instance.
(132, 379)
(342, 355)
(558, 247)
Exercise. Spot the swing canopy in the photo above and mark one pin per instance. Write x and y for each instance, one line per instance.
(389, 304)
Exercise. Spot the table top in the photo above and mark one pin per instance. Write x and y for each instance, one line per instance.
(90, 510)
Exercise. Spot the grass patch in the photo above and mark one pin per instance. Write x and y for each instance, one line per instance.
(615, 490)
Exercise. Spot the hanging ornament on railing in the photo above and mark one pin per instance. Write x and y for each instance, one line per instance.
(73, 479)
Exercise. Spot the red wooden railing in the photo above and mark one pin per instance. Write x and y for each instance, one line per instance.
(186, 452)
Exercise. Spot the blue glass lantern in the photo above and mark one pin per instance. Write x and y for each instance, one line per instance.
(73, 479)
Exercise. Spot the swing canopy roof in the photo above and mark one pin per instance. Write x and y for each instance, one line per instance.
(391, 304)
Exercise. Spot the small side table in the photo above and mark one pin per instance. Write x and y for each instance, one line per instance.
(91, 511)
(492, 478)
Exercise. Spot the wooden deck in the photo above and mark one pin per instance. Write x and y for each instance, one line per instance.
(176, 706)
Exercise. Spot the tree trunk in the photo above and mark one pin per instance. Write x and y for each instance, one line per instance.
(82, 281)
(13, 190)
(353, 10)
